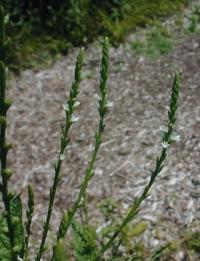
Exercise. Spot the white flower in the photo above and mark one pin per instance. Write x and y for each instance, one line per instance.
(6, 71)
(109, 104)
(19, 258)
(6, 19)
(74, 118)
(66, 107)
(175, 137)
(163, 129)
(76, 104)
(165, 145)
(62, 156)
(97, 96)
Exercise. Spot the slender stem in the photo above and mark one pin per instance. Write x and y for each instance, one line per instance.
(69, 110)
(84, 185)
(103, 105)
(167, 140)
(135, 207)
(4, 105)
(51, 201)
(29, 215)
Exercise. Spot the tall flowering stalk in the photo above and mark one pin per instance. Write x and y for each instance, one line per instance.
(103, 105)
(4, 147)
(167, 139)
(70, 118)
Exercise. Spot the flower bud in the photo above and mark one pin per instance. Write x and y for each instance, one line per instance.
(7, 173)
(7, 104)
(15, 221)
(62, 157)
(2, 66)
(8, 146)
(6, 19)
(3, 121)
(11, 195)
(16, 249)
(4, 230)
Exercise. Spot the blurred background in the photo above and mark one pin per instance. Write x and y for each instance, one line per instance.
(49, 26)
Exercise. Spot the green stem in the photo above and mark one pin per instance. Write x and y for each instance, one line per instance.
(52, 198)
(29, 215)
(159, 165)
(3, 146)
(102, 108)
(84, 185)
(69, 110)
(135, 208)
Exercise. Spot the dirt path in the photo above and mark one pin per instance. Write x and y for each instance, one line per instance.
(140, 91)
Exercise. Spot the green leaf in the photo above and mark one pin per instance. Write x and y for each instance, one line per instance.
(193, 242)
(84, 242)
(136, 229)
(60, 252)
(134, 258)
(156, 256)
(16, 213)
(5, 248)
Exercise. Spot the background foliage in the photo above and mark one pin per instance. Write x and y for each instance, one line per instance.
(36, 25)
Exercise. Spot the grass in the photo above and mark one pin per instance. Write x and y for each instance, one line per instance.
(140, 14)
(36, 52)
(194, 19)
(160, 38)
(158, 41)
(193, 242)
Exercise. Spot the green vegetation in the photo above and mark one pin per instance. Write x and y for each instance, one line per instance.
(138, 13)
(46, 29)
(193, 242)
(160, 37)
(194, 19)
(158, 41)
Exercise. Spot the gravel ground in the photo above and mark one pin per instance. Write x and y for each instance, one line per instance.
(140, 90)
